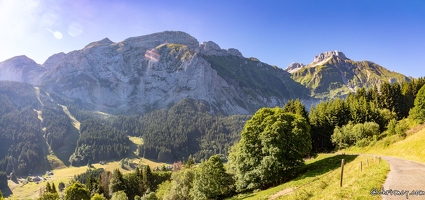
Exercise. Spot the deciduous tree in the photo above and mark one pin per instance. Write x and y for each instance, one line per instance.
(76, 191)
(272, 143)
(211, 180)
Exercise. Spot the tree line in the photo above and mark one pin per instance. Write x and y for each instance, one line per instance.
(390, 101)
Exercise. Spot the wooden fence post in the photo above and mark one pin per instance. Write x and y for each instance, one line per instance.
(367, 162)
(361, 166)
(342, 172)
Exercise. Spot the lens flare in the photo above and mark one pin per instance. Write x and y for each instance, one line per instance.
(152, 55)
(57, 34)
(75, 29)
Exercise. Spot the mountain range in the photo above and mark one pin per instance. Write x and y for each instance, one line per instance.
(155, 71)
(181, 96)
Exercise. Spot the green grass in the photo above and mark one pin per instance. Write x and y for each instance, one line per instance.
(321, 176)
(410, 148)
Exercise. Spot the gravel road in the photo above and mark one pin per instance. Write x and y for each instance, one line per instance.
(406, 180)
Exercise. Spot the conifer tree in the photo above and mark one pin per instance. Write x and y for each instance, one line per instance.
(117, 182)
(418, 111)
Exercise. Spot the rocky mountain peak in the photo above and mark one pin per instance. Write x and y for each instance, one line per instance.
(326, 56)
(103, 42)
(293, 67)
(20, 69)
(19, 61)
(53, 60)
(211, 48)
(155, 39)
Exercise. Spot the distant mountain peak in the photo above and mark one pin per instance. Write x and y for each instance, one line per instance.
(104, 41)
(53, 60)
(293, 67)
(326, 56)
(167, 37)
(211, 48)
(332, 74)
(21, 69)
(21, 61)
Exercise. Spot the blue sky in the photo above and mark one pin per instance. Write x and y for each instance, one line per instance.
(390, 33)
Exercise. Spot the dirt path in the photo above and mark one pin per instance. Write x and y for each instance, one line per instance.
(281, 193)
(405, 177)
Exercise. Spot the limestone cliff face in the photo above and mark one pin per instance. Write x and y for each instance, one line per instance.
(155, 71)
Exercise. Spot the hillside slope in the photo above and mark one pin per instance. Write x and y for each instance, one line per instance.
(410, 148)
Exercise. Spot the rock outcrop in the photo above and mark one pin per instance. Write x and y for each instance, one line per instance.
(326, 56)
(293, 67)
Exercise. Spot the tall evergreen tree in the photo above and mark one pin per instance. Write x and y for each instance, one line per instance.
(48, 188)
(54, 188)
(418, 111)
(117, 182)
(147, 177)
(296, 107)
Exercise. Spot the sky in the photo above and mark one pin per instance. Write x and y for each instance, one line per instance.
(390, 33)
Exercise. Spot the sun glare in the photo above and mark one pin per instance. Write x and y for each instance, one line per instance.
(57, 35)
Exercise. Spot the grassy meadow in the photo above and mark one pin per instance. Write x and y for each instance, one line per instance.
(320, 179)
(410, 148)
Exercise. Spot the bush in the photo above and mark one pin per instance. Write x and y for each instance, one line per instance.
(363, 142)
(391, 127)
(359, 134)
(401, 129)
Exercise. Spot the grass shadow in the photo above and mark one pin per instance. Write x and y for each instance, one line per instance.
(6, 191)
(314, 169)
(68, 149)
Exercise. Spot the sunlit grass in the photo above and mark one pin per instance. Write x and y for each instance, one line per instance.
(411, 148)
(356, 184)
(322, 177)
(136, 140)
